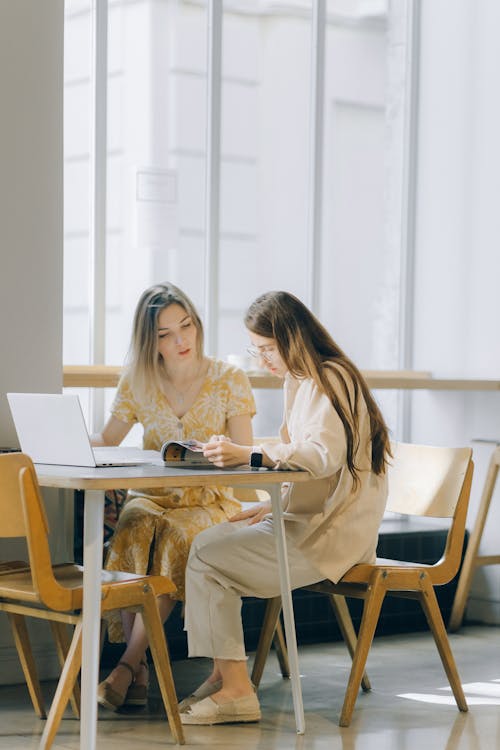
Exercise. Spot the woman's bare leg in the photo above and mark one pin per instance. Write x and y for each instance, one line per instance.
(137, 643)
(234, 677)
(235, 680)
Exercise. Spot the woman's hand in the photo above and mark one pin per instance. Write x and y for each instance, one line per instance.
(223, 452)
(255, 514)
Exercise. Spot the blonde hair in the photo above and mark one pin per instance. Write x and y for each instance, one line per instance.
(308, 350)
(145, 366)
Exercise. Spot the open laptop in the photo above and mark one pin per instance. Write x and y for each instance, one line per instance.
(51, 430)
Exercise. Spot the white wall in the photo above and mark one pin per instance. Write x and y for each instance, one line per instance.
(31, 196)
(457, 300)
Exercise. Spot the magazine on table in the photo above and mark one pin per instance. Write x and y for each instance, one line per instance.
(185, 454)
(188, 454)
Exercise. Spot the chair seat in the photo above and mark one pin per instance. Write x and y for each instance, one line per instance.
(17, 583)
(360, 573)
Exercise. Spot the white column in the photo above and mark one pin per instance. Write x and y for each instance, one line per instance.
(316, 128)
(98, 156)
(212, 182)
(404, 50)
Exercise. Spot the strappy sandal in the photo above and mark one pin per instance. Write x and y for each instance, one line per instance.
(137, 695)
(110, 698)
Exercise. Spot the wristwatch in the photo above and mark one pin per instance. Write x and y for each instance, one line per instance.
(256, 457)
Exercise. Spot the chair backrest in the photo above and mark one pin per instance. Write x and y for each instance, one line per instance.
(11, 508)
(426, 480)
(23, 515)
(434, 482)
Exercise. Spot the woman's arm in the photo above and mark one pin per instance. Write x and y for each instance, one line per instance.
(240, 429)
(112, 433)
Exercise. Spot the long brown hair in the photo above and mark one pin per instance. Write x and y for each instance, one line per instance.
(309, 351)
(145, 365)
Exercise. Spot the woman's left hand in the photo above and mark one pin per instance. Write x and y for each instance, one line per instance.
(253, 515)
(222, 452)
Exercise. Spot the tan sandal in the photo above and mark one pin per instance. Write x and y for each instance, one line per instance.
(137, 695)
(110, 698)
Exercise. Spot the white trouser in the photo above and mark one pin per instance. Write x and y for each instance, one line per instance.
(226, 562)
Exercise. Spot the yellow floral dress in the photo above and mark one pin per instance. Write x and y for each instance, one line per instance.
(155, 528)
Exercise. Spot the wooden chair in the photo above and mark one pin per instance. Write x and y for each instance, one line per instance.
(424, 481)
(54, 593)
(472, 560)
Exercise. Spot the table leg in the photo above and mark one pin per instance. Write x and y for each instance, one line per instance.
(92, 562)
(286, 598)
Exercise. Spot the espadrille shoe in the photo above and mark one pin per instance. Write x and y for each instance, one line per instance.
(207, 711)
(205, 689)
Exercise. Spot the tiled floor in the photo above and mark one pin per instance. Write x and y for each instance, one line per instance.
(409, 707)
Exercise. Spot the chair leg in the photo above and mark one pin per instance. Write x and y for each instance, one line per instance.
(64, 688)
(281, 650)
(102, 636)
(371, 611)
(343, 616)
(23, 647)
(159, 652)
(60, 633)
(435, 620)
(469, 562)
(272, 631)
(271, 615)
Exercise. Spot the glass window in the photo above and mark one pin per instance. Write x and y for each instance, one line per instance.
(156, 144)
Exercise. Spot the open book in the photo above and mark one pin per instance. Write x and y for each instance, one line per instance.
(184, 453)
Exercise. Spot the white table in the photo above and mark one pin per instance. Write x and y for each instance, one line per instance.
(95, 482)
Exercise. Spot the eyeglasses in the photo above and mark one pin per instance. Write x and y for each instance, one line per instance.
(265, 352)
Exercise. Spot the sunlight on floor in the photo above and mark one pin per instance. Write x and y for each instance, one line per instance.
(476, 693)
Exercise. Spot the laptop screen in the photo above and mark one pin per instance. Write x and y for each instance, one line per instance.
(51, 428)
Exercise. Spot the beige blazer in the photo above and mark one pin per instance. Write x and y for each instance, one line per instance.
(333, 522)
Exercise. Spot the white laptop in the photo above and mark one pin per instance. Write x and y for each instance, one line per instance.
(51, 430)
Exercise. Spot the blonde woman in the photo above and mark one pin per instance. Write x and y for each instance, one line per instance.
(333, 429)
(175, 392)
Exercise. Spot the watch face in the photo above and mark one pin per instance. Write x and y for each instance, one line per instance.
(256, 460)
